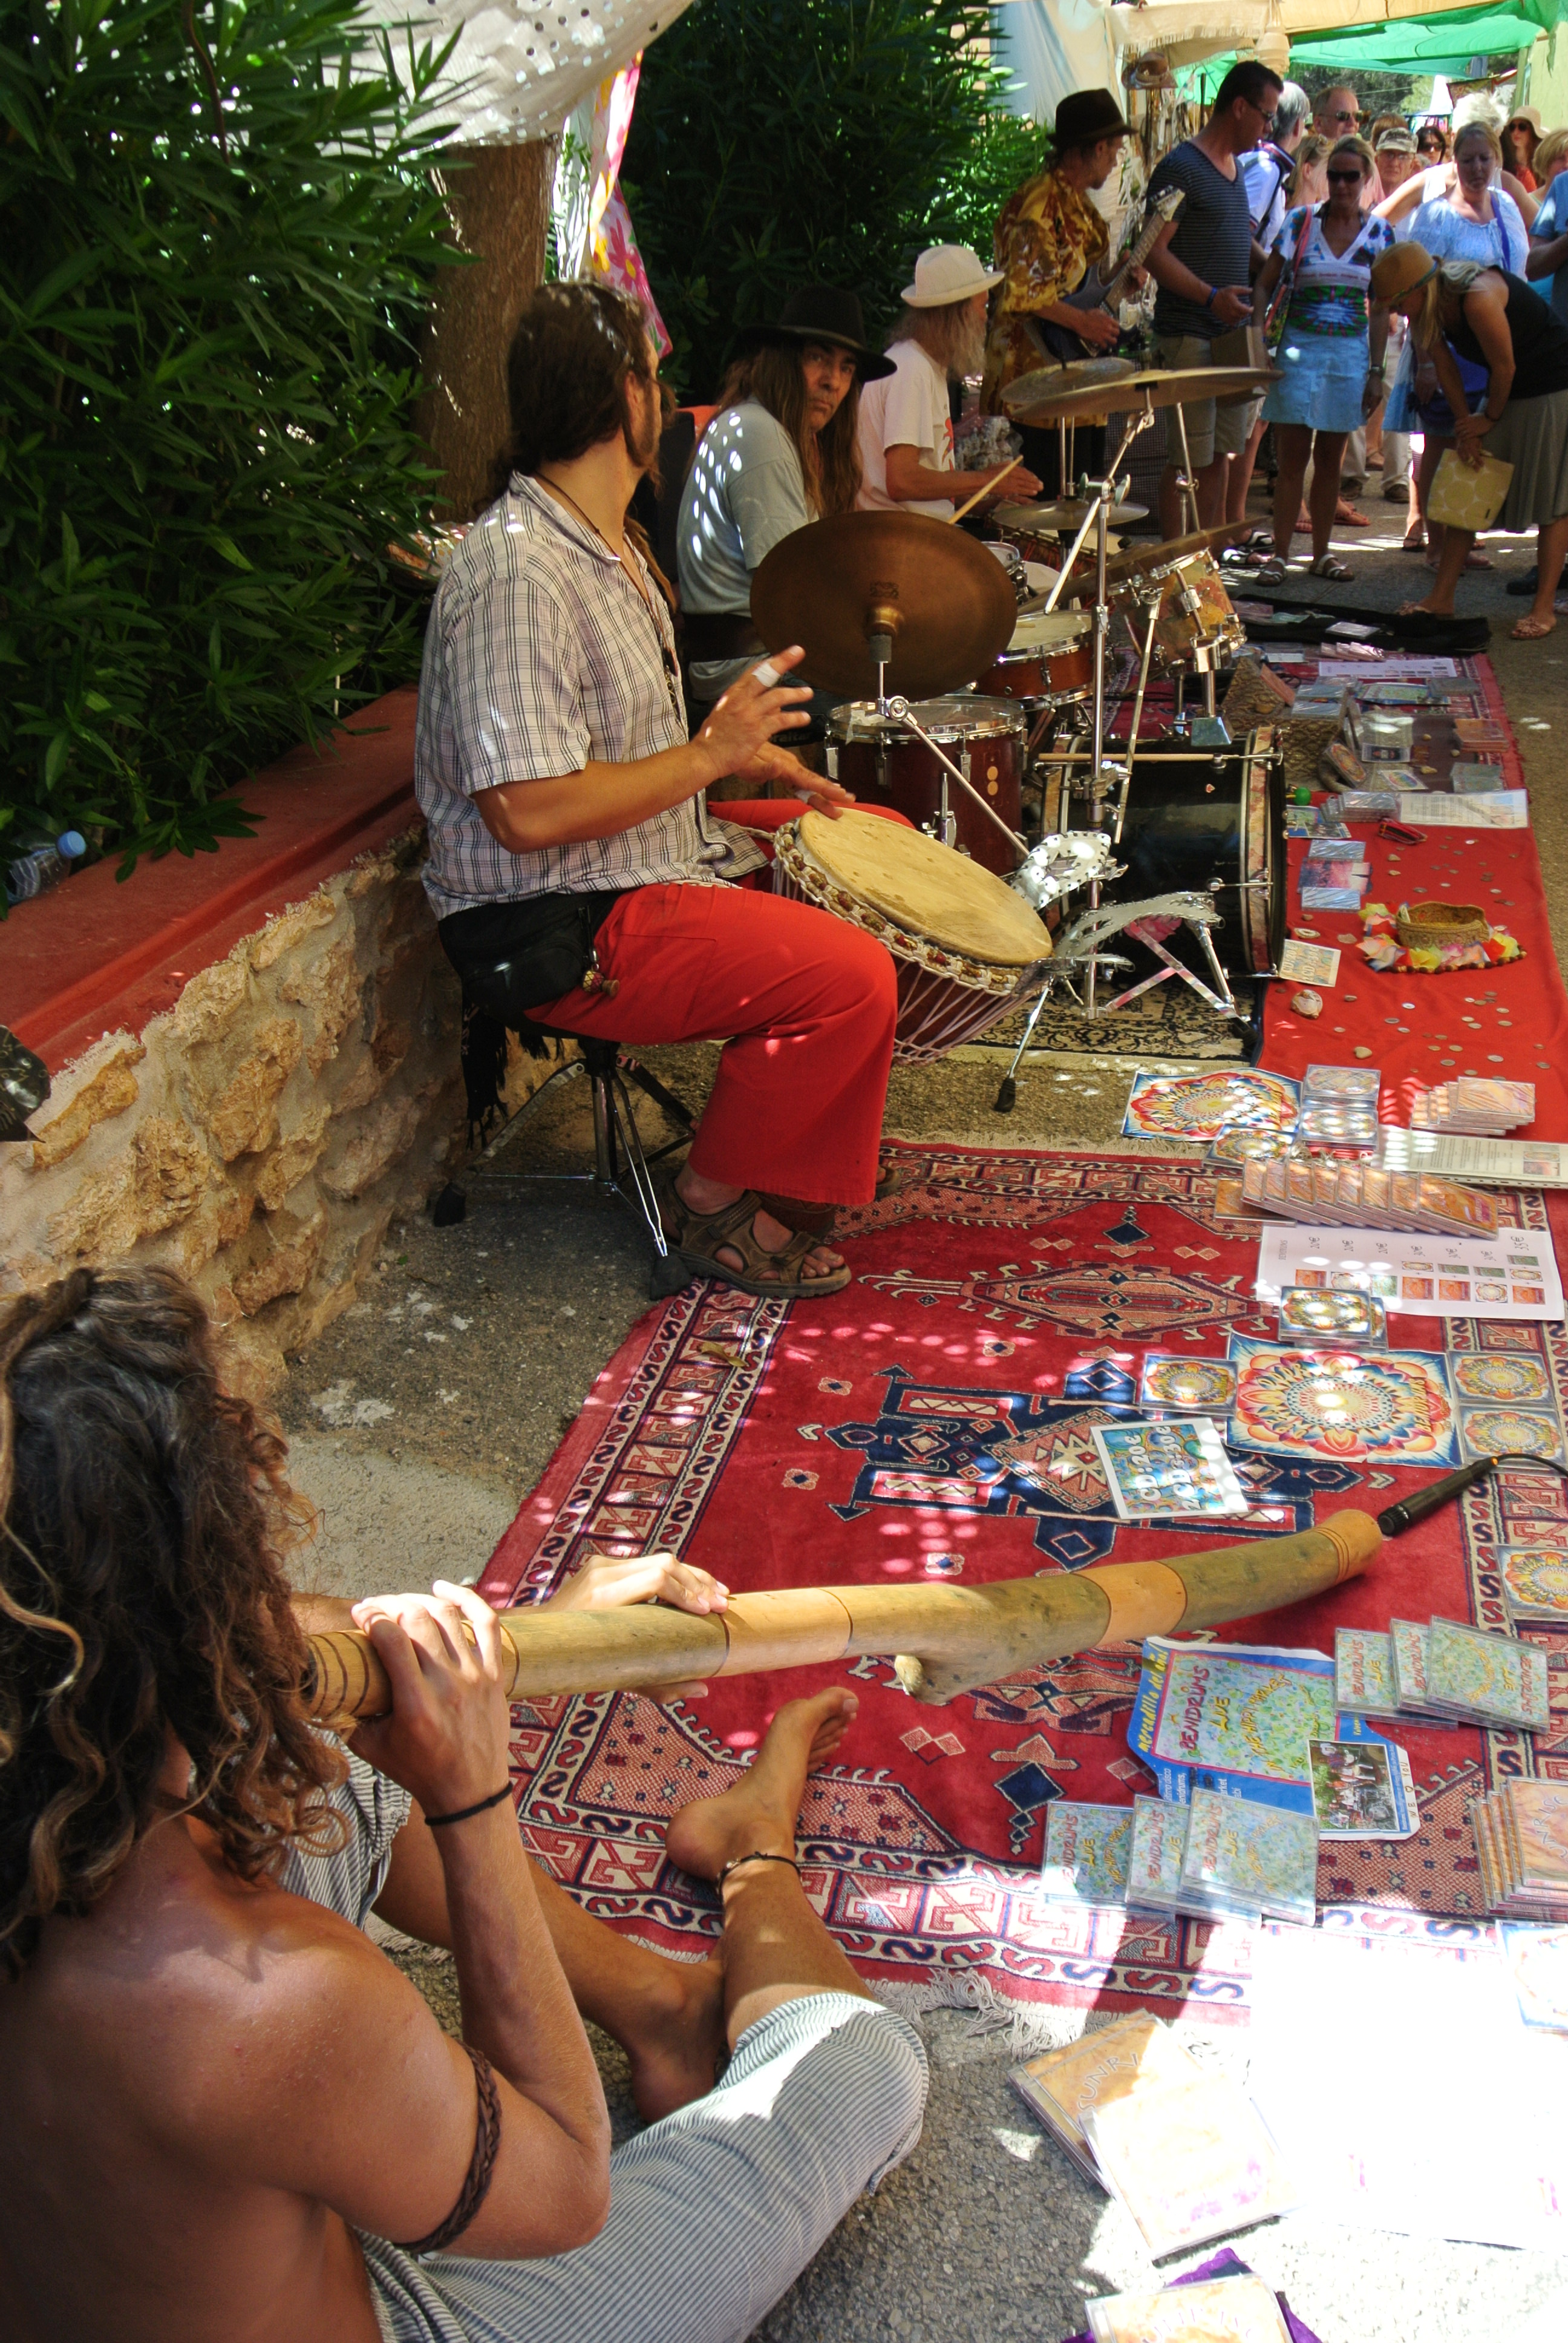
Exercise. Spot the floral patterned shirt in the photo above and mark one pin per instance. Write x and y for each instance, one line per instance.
(1047, 237)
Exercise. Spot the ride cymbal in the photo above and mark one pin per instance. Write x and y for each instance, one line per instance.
(1066, 516)
(948, 604)
(1040, 400)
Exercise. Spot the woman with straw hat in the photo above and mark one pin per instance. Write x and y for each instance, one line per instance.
(1491, 318)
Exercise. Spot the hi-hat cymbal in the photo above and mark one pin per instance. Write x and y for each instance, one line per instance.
(1144, 559)
(1066, 517)
(1043, 399)
(949, 604)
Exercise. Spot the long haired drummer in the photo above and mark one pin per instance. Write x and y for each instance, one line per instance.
(783, 449)
(578, 878)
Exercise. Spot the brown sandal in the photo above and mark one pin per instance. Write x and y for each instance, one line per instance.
(697, 1237)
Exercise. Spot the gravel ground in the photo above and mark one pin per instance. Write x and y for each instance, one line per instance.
(422, 1418)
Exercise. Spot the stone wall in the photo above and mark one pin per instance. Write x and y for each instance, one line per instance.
(260, 1136)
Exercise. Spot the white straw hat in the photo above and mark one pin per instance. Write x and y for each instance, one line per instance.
(948, 272)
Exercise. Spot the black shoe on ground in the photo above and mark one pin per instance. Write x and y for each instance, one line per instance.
(1527, 584)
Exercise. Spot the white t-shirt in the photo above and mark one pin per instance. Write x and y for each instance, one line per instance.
(907, 409)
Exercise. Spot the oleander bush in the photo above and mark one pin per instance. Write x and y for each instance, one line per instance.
(779, 143)
(219, 228)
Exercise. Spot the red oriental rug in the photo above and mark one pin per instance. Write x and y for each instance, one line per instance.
(1510, 1022)
(933, 1419)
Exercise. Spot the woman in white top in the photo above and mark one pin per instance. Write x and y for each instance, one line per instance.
(906, 420)
(1462, 211)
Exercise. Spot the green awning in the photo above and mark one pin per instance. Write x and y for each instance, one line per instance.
(1436, 45)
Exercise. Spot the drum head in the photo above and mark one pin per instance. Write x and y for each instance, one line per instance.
(927, 888)
(1051, 630)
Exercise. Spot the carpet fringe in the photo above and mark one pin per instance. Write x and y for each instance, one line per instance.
(1015, 2029)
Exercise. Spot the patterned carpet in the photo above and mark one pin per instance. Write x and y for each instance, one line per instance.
(933, 1421)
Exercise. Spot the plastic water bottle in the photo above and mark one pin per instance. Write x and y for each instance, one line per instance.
(43, 866)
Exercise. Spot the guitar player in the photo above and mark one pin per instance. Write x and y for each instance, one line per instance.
(1049, 237)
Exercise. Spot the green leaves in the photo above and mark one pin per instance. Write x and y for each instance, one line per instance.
(207, 368)
(781, 141)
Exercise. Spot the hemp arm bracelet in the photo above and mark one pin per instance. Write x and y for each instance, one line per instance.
(482, 2164)
(482, 1807)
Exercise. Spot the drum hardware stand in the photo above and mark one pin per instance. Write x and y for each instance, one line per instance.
(1078, 949)
(899, 711)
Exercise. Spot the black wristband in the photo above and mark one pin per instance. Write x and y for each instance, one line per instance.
(463, 1813)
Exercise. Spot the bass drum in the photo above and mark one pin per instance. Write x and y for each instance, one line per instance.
(1198, 815)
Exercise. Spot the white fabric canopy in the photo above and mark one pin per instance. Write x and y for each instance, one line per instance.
(517, 71)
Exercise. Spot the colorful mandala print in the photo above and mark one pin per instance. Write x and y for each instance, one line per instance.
(1329, 1403)
(1189, 1382)
(1197, 1106)
(1502, 1379)
(1502, 1432)
(1536, 1578)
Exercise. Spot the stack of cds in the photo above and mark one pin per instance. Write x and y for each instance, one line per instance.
(1477, 1105)
(1222, 1858)
(1521, 1847)
(1445, 1672)
(1339, 1106)
(1360, 1195)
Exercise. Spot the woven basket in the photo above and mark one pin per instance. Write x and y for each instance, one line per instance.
(1252, 698)
(1430, 926)
(1303, 740)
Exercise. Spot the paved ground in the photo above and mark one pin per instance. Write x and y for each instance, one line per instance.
(423, 1417)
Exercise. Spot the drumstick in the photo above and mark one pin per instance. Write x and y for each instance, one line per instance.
(989, 485)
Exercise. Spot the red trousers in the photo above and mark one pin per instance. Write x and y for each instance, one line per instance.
(804, 1003)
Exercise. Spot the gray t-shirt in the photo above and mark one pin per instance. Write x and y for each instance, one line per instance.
(744, 492)
(1214, 236)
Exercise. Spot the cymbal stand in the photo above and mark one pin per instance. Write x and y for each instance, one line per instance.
(1188, 484)
(1136, 720)
(898, 710)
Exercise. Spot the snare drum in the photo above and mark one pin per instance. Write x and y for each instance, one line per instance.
(1196, 815)
(1197, 623)
(1050, 658)
(965, 946)
(885, 763)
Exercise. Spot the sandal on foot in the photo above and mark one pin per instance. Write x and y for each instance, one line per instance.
(1532, 629)
(1415, 540)
(1272, 573)
(1328, 565)
(1347, 517)
(697, 1237)
(1475, 561)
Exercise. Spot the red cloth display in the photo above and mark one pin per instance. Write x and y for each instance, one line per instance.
(804, 1002)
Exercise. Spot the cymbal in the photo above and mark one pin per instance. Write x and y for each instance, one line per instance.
(1068, 515)
(950, 603)
(1144, 559)
(1037, 399)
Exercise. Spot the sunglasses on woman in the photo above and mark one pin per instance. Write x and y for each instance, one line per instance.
(1345, 178)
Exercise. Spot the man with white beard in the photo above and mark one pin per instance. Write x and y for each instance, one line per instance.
(906, 419)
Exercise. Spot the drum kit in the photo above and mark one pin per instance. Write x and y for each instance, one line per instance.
(969, 698)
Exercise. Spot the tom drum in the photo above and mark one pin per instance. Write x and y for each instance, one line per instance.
(1198, 815)
(882, 761)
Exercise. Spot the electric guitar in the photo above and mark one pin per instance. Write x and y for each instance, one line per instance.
(1098, 292)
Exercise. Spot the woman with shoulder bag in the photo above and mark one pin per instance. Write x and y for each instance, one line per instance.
(1491, 318)
(1329, 350)
(1467, 213)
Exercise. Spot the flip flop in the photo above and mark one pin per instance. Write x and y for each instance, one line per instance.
(1416, 542)
(697, 1237)
(1473, 560)
(1532, 629)
(1347, 517)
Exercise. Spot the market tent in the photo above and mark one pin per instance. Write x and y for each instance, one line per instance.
(1187, 30)
(1433, 43)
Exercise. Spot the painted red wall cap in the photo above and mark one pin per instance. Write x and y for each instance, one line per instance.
(93, 956)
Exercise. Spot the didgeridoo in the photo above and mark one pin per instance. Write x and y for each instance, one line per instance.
(943, 1640)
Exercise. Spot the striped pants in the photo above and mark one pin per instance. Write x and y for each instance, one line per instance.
(714, 2212)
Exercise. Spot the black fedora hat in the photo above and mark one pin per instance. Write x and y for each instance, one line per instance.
(821, 313)
(1085, 118)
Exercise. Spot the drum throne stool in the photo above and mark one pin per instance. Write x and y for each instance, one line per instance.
(621, 1166)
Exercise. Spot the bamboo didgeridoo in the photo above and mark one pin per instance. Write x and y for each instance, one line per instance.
(943, 1640)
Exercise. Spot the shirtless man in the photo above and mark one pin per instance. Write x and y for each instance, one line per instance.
(222, 2100)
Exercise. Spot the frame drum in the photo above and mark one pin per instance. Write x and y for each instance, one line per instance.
(1196, 815)
(1051, 657)
(881, 761)
(966, 947)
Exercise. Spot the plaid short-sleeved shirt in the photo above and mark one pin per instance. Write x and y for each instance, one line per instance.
(539, 657)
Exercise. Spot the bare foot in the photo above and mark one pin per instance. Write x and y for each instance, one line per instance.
(677, 2048)
(1532, 629)
(760, 1813)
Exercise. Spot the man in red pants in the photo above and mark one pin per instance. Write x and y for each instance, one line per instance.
(577, 875)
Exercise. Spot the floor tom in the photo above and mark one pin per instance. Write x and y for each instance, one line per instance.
(966, 947)
(882, 761)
